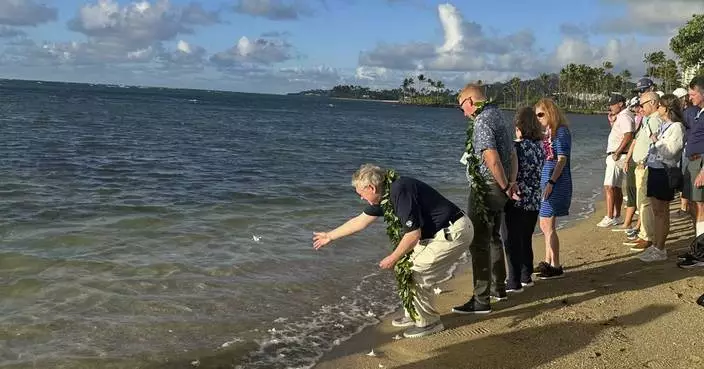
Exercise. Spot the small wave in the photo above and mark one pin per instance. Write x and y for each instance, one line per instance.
(300, 344)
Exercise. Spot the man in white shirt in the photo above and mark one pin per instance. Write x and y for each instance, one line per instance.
(616, 148)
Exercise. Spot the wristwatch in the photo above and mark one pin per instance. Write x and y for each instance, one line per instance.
(551, 181)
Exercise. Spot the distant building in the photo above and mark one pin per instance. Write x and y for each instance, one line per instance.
(689, 73)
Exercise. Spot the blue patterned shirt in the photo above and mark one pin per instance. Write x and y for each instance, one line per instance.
(531, 158)
(491, 131)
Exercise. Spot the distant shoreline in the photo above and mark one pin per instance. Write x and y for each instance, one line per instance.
(452, 106)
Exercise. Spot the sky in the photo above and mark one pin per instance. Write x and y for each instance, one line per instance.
(280, 46)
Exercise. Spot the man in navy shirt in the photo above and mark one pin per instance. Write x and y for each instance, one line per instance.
(435, 231)
(693, 188)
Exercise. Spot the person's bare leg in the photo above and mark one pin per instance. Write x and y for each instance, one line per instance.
(609, 194)
(618, 200)
(629, 217)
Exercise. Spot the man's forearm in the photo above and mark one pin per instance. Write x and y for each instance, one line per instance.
(493, 162)
(351, 226)
(407, 243)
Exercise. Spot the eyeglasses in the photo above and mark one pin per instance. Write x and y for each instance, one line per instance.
(644, 102)
(540, 115)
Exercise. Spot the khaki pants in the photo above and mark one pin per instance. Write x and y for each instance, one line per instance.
(647, 226)
(433, 262)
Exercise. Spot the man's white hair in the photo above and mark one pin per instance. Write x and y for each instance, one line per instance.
(369, 174)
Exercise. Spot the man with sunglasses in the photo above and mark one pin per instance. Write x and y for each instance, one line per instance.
(493, 143)
(638, 153)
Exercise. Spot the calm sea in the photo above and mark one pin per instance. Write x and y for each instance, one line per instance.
(170, 228)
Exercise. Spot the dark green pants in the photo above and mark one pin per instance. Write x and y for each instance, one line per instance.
(488, 265)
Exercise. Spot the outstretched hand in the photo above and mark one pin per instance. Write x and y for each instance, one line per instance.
(320, 239)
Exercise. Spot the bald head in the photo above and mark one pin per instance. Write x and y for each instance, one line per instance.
(649, 101)
(473, 91)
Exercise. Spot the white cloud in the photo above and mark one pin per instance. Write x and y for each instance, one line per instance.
(25, 13)
(139, 24)
(273, 9)
(258, 52)
(651, 17)
(465, 48)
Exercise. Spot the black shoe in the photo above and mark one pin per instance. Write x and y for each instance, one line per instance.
(551, 273)
(514, 288)
(542, 266)
(528, 282)
(700, 300)
(472, 307)
(690, 263)
(685, 256)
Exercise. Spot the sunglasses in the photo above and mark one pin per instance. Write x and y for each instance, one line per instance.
(464, 101)
(644, 102)
(540, 115)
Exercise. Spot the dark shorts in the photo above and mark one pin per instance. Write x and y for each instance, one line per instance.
(631, 190)
(659, 185)
(689, 190)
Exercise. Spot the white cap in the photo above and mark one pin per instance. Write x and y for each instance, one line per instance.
(633, 102)
(660, 93)
(680, 92)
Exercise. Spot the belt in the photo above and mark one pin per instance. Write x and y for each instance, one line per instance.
(455, 218)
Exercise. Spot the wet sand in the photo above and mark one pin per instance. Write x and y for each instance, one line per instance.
(609, 311)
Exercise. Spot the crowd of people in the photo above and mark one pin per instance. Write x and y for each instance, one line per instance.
(525, 172)
(654, 151)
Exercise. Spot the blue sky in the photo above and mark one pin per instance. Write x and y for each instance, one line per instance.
(282, 46)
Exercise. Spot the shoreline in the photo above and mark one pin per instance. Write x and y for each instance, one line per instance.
(607, 311)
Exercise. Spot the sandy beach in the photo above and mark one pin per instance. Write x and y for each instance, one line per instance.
(610, 311)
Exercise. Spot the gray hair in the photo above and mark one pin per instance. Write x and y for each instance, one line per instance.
(369, 174)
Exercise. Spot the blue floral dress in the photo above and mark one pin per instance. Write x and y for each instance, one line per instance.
(558, 203)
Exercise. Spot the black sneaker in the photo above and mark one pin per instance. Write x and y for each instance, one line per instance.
(690, 263)
(700, 300)
(527, 282)
(472, 307)
(552, 273)
(514, 289)
(542, 266)
(685, 256)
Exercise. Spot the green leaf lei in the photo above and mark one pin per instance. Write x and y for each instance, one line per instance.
(404, 274)
(479, 188)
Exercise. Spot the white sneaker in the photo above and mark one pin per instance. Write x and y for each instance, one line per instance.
(652, 254)
(607, 222)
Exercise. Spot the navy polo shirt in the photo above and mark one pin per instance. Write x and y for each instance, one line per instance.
(418, 206)
(695, 135)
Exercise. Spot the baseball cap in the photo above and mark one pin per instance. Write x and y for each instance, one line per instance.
(680, 92)
(643, 84)
(616, 98)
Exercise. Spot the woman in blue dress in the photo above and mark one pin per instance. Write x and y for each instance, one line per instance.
(555, 181)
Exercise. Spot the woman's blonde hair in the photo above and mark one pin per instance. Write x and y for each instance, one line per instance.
(369, 174)
(554, 115)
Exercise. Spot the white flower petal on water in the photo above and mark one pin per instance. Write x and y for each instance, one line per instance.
(336, 342)
(371, 353)
(338, 325)
(272, 330)
(381, 365)
(195, 363)
(397, 337)
(280, 320)
(256, 238)
(437, 290)
(370, 314)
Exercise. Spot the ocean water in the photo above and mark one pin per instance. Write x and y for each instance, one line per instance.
(161, 228)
